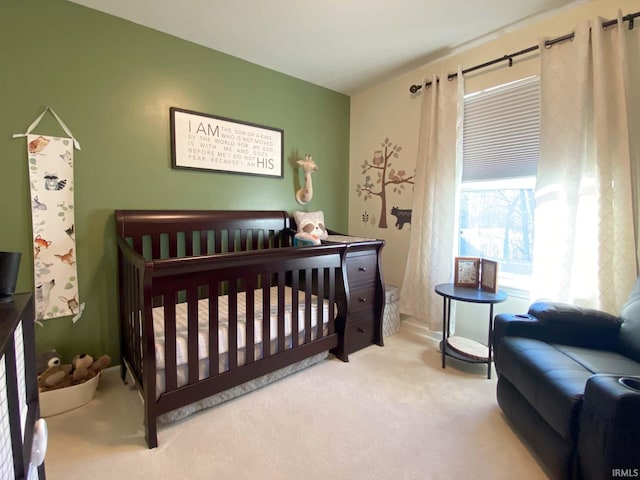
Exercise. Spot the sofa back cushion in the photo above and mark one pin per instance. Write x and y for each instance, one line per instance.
(629, 337)
(574, 325)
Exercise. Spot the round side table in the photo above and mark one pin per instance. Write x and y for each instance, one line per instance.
(464, 349)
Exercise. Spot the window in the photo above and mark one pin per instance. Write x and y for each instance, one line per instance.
(501, 137)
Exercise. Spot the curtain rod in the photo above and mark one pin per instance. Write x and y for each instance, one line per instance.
(509, 58)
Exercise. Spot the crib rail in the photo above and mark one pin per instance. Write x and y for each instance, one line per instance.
(176, 233)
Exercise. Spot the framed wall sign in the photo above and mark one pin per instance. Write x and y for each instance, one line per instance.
(467, 272)
(489, 275)
(208, 142)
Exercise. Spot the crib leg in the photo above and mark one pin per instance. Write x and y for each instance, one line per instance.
(123, 372)
(340, 353)
(151, 431)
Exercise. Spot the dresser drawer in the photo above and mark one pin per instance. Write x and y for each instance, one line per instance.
(362, 297)
(360, 332)
(361, 268)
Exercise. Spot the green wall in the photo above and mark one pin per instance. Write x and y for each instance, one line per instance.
(112, 82)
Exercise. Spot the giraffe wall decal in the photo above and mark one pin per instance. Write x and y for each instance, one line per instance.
(304, 194)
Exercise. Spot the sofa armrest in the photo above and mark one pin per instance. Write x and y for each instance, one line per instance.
(573, 325)
(515, 325)
(609, 428)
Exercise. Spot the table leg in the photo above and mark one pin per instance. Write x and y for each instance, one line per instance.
(448, 317)
(444, 329)
(490, 343)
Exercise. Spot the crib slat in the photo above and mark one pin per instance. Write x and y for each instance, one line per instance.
(233, 325)
(188, 243)
(231, 240)
(129, 308)
(308, 283)
(217, 242)
(214, 360)
(171, 375)
(137, 244)
(281, 333)
(204, 242)
(133, 316)
(295, 329)
(266, 314)
(173, 244)
(243, 241)
(192, 333)
(332, 301)
(155, 246)
(249, 350)
(137, 325)
(320, 298)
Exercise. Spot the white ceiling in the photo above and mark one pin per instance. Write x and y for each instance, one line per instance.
(343, 45)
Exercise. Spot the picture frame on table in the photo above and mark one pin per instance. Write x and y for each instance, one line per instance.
(467, 272)
(489, 275)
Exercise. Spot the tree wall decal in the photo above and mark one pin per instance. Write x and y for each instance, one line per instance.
(384, 176)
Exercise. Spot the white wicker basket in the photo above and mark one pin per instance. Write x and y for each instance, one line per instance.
(53, 402)
(391, 318)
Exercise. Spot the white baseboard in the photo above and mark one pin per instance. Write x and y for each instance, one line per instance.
(416, 327)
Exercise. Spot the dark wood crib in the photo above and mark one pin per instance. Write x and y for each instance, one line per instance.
(210, 300)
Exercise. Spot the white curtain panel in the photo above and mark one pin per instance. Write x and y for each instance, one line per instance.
(633, 55)
(584, 250)
(434, 219)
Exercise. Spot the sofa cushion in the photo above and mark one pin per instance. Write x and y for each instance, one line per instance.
(600, 361)
(550, 380)
(629, 337)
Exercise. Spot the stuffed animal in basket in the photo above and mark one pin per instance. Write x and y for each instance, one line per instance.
(85, 367)
(47, 359)
(56, 376)
(82, 368)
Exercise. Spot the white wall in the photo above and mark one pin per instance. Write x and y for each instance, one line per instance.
(388, 110)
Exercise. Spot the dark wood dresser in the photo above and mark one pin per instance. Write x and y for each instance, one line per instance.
(19, 405)
(365, 295)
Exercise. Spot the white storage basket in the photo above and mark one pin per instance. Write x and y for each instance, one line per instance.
(61, 400)
(391, 318)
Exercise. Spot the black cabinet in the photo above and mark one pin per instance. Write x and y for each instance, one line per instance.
(19, 405)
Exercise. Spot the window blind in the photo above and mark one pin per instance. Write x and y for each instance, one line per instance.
(501, 132)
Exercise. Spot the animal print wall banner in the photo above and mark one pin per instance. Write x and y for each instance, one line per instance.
(52, 215)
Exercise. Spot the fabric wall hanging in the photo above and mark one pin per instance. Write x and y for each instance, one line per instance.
(52, 214)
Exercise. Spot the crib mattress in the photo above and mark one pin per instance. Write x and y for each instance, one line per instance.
(223, 331)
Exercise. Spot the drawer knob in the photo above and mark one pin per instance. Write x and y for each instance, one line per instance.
(361, 330)
(362, 299)
(362, 269)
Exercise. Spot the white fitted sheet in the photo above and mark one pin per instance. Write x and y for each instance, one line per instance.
(223, 331)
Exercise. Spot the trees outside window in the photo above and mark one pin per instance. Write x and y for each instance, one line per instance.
(496, 221)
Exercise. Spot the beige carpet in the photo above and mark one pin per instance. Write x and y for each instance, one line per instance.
(390, 413)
